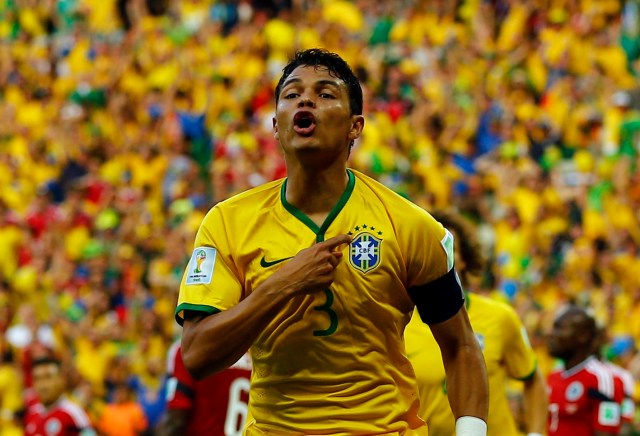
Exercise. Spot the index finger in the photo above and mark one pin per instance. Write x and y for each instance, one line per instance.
(336, 241)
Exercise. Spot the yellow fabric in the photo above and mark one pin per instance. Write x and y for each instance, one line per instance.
(371, 394)
(507, 354)
(10, 399)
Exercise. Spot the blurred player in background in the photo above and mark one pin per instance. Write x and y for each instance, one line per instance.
(49, 411)
(503, 340)
(585, 397)
(325, 332)
(215, 405)
(628, 409)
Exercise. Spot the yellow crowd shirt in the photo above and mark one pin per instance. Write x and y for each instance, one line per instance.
(507, 354)
(332, 362)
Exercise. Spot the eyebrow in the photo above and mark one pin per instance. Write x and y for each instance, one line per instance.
(322, 82)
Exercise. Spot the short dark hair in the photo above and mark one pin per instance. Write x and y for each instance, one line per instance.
(338, 67)
(46, 360)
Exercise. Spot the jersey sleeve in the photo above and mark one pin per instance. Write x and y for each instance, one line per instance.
(433, 285)
(429, 250)
(211, 282)
(520, 359)
(181, 386)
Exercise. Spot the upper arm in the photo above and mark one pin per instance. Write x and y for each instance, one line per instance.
(211, 281)
(433, 284)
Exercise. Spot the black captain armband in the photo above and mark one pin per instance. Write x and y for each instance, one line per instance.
(438, 300)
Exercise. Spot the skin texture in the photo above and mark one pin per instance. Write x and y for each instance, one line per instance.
(316, 162)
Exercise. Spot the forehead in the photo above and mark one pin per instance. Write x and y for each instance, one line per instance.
(309, 74)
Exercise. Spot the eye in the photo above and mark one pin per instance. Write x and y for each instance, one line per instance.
(326, 95)
(291, 95)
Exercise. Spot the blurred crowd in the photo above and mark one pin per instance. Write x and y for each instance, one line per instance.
(123, 121)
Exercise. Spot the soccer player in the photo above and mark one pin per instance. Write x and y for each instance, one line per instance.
(585, 397)
(50, 412)
(502, 338)
(215, 405)
(319, 273)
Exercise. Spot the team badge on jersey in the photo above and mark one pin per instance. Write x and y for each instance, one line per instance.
(574, 391)
(364, 250)
(53, 427)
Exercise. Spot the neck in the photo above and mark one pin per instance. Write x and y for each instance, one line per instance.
(573, 361)
(316, 191)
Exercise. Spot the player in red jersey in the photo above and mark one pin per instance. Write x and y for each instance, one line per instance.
(49, 411)
(216, 405)
(585, 397)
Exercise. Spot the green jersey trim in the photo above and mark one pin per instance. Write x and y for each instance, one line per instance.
(530, 375)
(319, 231)
(207, 310)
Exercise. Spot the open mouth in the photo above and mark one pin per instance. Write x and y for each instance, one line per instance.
(304, 123)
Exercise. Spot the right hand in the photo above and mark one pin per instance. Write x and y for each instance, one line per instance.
(313, 269)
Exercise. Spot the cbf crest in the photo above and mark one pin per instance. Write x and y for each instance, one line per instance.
(364, 250)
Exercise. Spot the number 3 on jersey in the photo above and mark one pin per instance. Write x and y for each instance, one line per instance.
(333, 316)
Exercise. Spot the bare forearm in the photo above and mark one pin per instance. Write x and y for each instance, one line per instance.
(467, 386)
(217, 341)
(535, 404)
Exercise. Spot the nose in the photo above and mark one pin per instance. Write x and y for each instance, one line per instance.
(306, 101)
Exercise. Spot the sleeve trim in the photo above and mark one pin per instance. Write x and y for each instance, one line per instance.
(530, 375)
(207, 310)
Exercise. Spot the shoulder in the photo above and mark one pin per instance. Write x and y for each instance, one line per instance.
(397, 207)
(254, 196)
(74, 412)
(247, 203)
(499, 310)
(373, 188)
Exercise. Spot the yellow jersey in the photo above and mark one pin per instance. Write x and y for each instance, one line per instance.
(507, 354)
(332, 362)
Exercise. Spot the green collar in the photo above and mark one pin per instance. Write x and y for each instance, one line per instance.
(319, 231)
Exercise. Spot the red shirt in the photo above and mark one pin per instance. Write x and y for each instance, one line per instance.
(64, 418)
(628, 410)
(218, 403)
(585, 399)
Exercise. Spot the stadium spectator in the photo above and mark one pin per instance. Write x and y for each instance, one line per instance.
(585, 397)
(226, 291)
(214, 405)
(49, 411)
(503, 340)
(123, 415)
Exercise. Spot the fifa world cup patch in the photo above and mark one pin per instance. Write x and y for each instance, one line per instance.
(364, 250)
(201, 266)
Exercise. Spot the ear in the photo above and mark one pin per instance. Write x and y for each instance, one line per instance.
(275, 129)
(357, 124)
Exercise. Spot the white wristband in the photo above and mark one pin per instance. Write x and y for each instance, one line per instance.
(470, 426)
